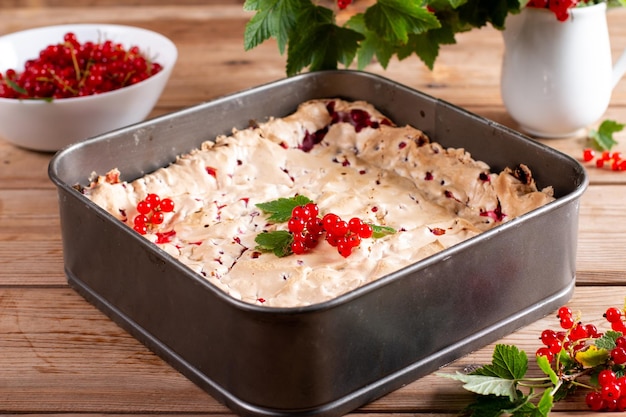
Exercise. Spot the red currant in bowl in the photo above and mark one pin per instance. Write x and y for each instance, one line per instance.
(64, 84)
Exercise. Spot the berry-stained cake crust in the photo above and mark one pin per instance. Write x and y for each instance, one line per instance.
(349, 160)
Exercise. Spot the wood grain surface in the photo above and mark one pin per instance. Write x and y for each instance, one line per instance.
(60, 356)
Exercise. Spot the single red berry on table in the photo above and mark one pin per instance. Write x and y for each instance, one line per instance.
(588, 154)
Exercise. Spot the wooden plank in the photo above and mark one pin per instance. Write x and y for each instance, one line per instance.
(58, 353)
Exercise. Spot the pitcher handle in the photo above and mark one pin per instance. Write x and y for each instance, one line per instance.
(619, 68)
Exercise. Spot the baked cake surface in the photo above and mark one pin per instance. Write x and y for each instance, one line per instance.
(350, 160)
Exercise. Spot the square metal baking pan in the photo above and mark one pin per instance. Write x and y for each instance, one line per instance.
(326, 359)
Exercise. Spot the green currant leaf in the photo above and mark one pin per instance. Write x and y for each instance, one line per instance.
(426, 45)
(319, 43)
(544, 406)
(508, 362)
(280, 209)
(487, 385)
(545, 366)
(371, 46)
(15, 86)
(616, 3)
(381, 231)
(566, 360)
(602, 139)
(394, 20)
(494, 406)
(592, 356)
(278, 242)
(477, 13)
(445, 4)
(608, 340)
(274, 19)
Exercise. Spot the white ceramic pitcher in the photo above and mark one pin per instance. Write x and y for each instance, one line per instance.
(557, 77)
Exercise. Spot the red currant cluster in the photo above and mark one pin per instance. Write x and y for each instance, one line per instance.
(572, 337)
(307, 229)
(607, 159)
(74, 69)
(151, 211)
(612, 393)
(560, 8)
(342, 4)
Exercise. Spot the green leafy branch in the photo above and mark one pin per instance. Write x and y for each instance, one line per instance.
(503, 386)
(312, 38)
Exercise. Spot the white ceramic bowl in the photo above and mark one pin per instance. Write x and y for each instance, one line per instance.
(51, 125)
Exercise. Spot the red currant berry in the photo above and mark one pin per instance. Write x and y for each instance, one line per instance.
(592, 331)
(544, 351)
(621, 404)
(157, 217)
(610, 405)
(564, 312)
(547, 336)
(594, 401)
(313, 210)
(618, 355)
(578, 332)
(310, 241)
(366, 231)
(606, 376)
(567, 322)
(315, 226)
(153, 200)
(298, 247)
(167, 205)
(613, 314)
(618, 326)
(142, 229)
(353, 240)
(354, 225)
(140, 220)
(342, 4)
(296, 225)
(340, 228)
(621, 341)
(555, 346)
(300, 212)
(144, 207)
(588, 154)
(344, 248)
(610, 391)
(332, 240)
(329, 221)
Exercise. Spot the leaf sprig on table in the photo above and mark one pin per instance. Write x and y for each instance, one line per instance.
(574, 357)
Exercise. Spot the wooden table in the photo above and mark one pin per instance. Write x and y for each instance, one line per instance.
(60, 355)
